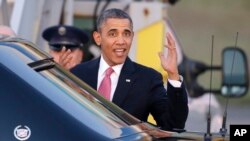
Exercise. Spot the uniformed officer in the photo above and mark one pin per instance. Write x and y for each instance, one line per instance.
(67, 44)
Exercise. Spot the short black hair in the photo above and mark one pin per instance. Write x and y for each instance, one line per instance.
(112, 13)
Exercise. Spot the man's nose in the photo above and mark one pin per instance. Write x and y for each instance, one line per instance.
(121, 39)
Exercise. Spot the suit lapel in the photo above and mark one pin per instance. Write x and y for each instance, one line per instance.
(93, 73)
(126, 80)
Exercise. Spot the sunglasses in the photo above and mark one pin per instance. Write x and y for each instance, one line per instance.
(59, 47)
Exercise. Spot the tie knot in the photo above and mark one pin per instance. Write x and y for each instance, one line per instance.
(109, 71)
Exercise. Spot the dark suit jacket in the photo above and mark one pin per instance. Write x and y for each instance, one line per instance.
(144, 93)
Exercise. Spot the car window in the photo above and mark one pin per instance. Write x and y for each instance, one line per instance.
(68, 85)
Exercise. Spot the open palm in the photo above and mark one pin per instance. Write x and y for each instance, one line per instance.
(169, 63)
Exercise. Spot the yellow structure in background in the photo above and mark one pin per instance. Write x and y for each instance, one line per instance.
(150, 42)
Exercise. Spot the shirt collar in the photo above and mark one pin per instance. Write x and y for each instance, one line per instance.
(103, 66)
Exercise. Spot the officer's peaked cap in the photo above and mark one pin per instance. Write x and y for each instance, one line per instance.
(68, 36)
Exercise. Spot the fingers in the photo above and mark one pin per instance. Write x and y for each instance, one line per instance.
(170, 43)
(65, 53)
(65, 57)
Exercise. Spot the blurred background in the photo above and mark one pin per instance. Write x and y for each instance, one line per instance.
(195, 21)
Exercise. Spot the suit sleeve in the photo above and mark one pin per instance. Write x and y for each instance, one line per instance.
(169, 108)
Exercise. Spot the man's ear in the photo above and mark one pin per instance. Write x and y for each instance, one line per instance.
(97, 38)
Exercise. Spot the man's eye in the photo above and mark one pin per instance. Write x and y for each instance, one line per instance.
(127, 34)
(112, 34)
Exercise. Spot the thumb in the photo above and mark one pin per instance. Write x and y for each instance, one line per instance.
(161, 56)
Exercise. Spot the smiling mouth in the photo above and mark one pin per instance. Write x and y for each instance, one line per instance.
(120, 51)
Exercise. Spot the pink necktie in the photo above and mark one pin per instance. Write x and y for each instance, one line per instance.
(105, 86)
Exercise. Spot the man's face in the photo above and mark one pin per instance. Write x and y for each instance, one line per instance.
(115, 39)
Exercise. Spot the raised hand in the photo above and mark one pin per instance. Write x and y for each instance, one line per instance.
(63, 58)
(169, 63)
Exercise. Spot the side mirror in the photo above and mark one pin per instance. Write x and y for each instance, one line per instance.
(234, 72)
